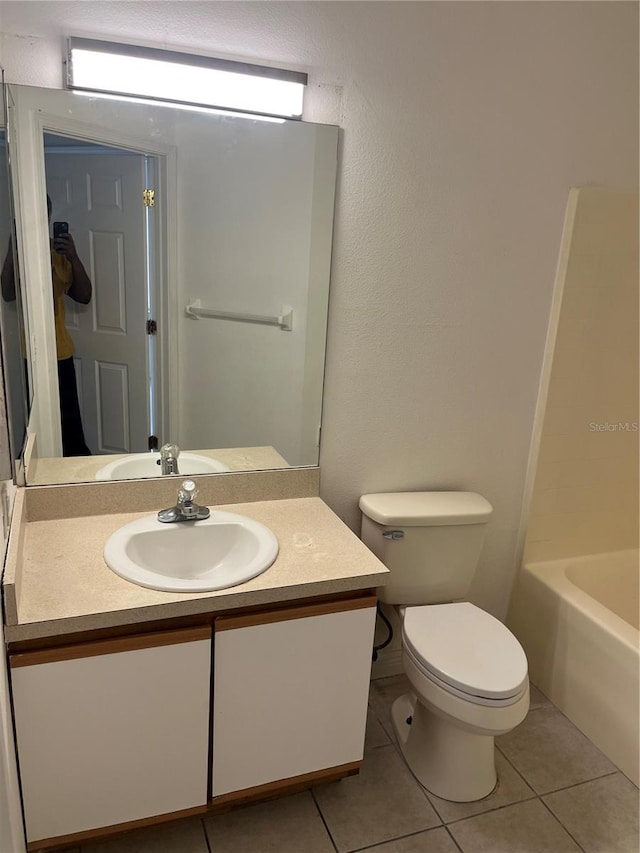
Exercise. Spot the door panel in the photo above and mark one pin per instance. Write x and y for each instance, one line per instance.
(100, 195)
(112, 403)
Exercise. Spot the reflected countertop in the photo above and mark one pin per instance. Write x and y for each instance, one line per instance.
(83, 469)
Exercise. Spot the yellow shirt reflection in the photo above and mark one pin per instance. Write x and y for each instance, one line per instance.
(62, 275)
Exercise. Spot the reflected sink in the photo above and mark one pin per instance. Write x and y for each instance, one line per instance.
(191, 556)
(138, 465)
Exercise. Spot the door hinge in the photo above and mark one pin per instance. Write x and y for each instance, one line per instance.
(148, 197)
(152, 327)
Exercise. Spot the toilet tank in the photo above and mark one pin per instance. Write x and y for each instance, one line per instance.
(429, 541)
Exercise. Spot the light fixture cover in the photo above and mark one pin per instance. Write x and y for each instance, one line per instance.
(182, 78)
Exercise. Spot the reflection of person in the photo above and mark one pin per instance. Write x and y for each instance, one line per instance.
(69, 278)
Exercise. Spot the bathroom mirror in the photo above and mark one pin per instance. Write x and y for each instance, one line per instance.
(207, 322)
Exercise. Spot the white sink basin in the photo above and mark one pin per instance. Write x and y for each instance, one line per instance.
(138, 465)
(191, 556)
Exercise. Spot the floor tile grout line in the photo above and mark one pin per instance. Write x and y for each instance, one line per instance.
(547, 709)
(560, 823)
(553, 790)
(393, 743)
(396, 838)
(455, 820)
(453, 839)
(534, 796)
(425, 793)
(206, 835)
(324, 822)
(421, 788)
(417, 782)
(583, 782)
(515, 769)
(555, 708)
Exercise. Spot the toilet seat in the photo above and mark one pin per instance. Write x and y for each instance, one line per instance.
(466, 651)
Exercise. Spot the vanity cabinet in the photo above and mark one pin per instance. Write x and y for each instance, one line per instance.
(112, 731)
(290, 694)
(118, 733)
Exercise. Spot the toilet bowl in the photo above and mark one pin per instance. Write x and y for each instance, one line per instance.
(467, 671)
(469, 679)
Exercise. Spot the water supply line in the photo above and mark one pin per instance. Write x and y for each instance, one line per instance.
(383, 645)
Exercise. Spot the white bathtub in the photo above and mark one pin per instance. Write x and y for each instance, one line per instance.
(577, 619)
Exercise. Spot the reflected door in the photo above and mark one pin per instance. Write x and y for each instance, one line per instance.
(101, 196)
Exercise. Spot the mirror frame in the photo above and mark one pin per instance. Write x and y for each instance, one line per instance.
(16, 449)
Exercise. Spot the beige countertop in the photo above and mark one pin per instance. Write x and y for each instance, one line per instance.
(56, 580)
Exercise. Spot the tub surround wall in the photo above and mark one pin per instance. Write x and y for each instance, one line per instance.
(583, 523)
(585, 495)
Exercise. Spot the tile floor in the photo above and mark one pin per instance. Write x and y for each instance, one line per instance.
(556, 794)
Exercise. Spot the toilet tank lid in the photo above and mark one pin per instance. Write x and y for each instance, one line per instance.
(426, 508)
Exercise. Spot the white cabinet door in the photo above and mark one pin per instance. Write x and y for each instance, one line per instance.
(290, 696)
(112, 731)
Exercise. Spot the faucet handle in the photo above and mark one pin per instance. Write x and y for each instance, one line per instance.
(169, 450)
(188, 492)
(186, 509)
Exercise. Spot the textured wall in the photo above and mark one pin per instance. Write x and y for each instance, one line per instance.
(464, 125)
(585, 497)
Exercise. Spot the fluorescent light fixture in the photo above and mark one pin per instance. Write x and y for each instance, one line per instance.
(181, 78)
(182, 106)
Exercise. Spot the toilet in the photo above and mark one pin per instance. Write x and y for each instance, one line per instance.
(467, 670)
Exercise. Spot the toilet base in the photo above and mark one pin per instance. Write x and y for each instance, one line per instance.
(452, 763)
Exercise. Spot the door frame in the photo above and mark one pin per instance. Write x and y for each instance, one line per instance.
(29, 187)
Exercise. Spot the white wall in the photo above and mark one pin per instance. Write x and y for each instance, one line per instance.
(465, 124)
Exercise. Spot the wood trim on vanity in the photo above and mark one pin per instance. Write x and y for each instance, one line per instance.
(107, 831)
(173, 623)
(218, 805)
(112, 646)
(270, 790)
(302, 611)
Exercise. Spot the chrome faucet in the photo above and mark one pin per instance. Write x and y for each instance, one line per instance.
(169, 459)
(186, 509)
